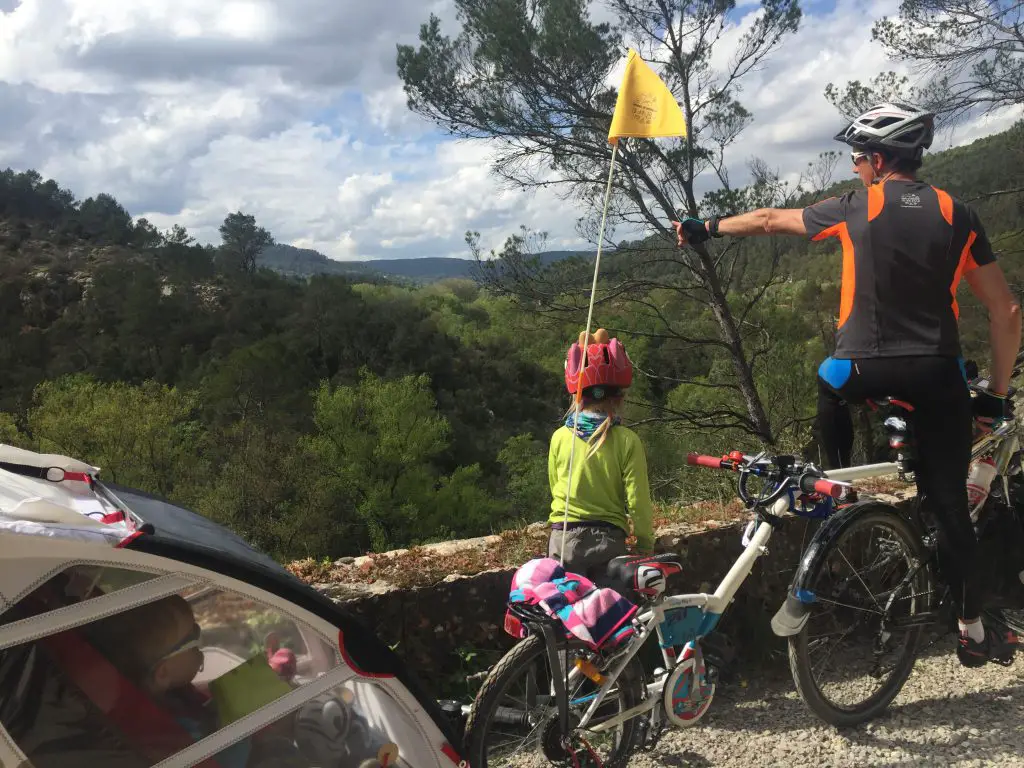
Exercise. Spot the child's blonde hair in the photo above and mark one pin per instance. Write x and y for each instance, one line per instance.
(609, 406)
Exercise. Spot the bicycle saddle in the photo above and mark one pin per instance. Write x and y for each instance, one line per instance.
(644, 574)
(893, 402)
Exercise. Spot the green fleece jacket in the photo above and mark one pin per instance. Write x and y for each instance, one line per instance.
(607, 486)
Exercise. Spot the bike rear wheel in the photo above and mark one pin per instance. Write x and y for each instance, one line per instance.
(867, 612)
(514, 720)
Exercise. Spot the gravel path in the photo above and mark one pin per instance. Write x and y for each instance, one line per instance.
(945, 715)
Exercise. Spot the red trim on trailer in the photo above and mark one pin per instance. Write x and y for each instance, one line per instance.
(449, 751)
(128, 539)
(352, 664)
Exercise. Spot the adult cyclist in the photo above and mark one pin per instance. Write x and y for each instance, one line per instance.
(906, 245)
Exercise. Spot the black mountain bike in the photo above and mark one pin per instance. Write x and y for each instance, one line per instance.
(871, 583)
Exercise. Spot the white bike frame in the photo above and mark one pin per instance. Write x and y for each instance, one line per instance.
(755, 541)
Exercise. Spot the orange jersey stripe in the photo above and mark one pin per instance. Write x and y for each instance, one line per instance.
(965, 265)
(849, 267)
(945, 205)
(876, 200)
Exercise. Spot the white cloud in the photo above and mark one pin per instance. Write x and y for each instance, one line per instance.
(291, 110)
(983, 125)
(793, 120)
(388, 111)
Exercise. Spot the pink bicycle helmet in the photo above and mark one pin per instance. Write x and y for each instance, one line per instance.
(606, 363)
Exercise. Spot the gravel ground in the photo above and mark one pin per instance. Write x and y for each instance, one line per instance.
(945, 715)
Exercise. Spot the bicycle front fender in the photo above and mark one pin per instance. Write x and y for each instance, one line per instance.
(792, 615)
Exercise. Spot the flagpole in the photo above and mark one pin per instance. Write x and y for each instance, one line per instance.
(578, 399)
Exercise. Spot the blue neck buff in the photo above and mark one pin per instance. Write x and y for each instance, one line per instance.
(587, 423)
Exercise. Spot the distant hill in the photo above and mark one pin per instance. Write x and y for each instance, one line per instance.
(303, 262)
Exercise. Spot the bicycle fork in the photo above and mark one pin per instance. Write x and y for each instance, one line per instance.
(558, 676)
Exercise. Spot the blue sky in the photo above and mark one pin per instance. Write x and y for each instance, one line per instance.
(291, 110)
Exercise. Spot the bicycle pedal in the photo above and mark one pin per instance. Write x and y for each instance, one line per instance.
(1013, 619)
(719, 651)
(649, 739)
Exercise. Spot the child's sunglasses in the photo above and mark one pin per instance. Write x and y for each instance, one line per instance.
(187, 643)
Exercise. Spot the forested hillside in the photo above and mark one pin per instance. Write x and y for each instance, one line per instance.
(327, 415)
(303, 262)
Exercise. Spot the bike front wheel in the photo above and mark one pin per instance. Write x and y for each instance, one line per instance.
(859, 644)
(514, 719)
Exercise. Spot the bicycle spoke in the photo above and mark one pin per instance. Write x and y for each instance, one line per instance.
(523, 727)
(867, 660)
(829, 655)
(862, 583)
(860, 608)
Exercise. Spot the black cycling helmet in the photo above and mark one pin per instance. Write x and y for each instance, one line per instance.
(897, 129)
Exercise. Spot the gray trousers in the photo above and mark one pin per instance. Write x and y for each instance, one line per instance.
(588, 549)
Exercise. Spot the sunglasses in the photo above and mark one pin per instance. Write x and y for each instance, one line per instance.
(187, 643)
(856, 157)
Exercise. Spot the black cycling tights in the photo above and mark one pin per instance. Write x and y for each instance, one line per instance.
(942, 427)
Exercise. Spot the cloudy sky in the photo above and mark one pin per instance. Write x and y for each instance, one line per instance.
(291, 110)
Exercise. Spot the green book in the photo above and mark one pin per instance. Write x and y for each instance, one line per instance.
(245, 689)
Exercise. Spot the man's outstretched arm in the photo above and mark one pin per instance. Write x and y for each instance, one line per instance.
(989, 285)
(763, 221)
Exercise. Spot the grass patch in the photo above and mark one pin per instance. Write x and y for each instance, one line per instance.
(891, 484)
(701, 512)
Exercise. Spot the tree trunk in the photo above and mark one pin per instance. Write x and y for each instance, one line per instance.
(731, 336)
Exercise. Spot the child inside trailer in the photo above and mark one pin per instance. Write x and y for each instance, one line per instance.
(158, 646)
(136, 688)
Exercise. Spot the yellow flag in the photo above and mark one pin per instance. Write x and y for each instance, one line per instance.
(645, 107)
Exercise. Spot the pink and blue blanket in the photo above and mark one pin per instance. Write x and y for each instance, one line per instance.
(598, 616)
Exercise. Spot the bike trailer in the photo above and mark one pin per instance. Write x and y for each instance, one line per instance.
(285, 676)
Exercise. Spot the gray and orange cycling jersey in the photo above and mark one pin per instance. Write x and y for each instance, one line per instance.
(905, 247)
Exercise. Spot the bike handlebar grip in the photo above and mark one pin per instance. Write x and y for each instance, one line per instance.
(697, 460)
(825, 487)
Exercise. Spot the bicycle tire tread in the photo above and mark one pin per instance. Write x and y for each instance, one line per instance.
(475, 729)
(797, 646)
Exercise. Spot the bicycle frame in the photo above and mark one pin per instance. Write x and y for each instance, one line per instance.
(1002, 443)
(712, 605)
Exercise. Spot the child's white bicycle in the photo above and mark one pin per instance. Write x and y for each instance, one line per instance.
(598, 709)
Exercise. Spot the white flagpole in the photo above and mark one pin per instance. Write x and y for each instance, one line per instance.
(586, 339)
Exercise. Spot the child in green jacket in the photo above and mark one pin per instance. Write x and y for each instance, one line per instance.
(609, 466)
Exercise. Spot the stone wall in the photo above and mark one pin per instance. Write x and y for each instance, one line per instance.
(455, 627)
